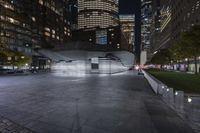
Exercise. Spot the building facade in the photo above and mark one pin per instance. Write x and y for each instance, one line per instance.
(127, 23)
(99, 39)
(73, 14)
(146, 25)
(25, 24)
(185, 14)
(161, 39)
(175, 18)
(97, 13)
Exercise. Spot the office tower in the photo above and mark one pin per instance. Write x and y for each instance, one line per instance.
(25, 24)
(185, 14)
(161, 33)
(97, 13)
(146, 24)
(73, 14)
(127, 23)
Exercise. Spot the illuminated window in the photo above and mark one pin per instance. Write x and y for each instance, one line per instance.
(33, 19)
(41, 2)
(47, 34)
(53, 31)
(58, 37)
(47, 29)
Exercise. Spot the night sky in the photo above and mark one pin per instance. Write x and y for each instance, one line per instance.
(129, 6)
(133, 7)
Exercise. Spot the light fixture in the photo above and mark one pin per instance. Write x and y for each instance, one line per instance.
(186, 59)
(189, 100)
(9, 58)
(155, 52)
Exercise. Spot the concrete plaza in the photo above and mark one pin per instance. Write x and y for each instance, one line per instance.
(119, 103)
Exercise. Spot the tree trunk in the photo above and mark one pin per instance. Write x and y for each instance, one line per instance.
(188, 63)
(195, 63)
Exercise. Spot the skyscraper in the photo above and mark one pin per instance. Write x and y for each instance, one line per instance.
(146, 23)
(127, 23)
(185, 14)
(25, 25)
(146, 19)
(97, 13)
(163, 36)
(73, 14)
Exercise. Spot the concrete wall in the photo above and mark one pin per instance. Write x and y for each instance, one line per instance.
(126, 58)
(186, 105)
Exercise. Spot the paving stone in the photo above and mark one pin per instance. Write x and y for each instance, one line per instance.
(48, 103)
(7, 126)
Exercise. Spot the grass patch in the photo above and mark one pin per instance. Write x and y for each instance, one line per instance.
(189, 83)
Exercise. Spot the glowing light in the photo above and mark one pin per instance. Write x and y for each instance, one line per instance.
(189, 100)
(155, 52)
(33, 19)
(167, 89)
(176, 93)
(186, 59)
(11, 20)
(9, 58)
(137, 67)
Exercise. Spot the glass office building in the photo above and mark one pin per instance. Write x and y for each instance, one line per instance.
(127, 23)
(97, 13)
(25, 24)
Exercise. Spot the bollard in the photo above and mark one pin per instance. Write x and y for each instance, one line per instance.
(161, 89)
(169, 96)
(179, 101)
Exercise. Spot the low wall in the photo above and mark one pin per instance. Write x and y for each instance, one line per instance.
(155, 84)
(186, 105)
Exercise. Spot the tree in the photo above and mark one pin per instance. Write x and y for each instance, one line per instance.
(5, 55)
(189, 45)
(19, 59)
(162, 57)
(3, 58)
(9, 57)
